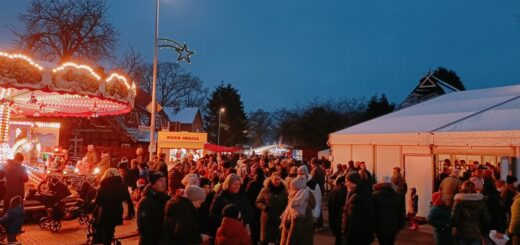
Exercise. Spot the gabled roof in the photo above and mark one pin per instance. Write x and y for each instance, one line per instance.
(429, 87)
(185, 115)
(492, 109)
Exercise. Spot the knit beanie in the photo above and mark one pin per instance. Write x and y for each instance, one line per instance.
(304, 169)
(194, 193)
(231, 211)
(154, 176)
(190, 179)
(298, 183)
(354, 178)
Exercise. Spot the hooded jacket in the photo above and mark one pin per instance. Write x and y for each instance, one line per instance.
(358, 216)
(469, 215)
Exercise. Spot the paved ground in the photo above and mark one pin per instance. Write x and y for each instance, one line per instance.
(74, 234)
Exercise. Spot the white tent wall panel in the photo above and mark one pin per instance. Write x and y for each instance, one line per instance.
(340, 154)
(381, 139)
(387, 157)
(364, 153)
(483, 138)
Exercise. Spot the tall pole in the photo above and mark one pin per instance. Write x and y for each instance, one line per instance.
(218, 134)
(154, 82)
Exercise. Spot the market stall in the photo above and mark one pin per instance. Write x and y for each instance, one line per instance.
(475, 125)
(178, 145)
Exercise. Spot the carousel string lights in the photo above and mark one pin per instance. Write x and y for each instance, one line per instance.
(65, 90)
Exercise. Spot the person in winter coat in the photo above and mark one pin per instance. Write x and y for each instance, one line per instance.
(181, 218)
(13, 219)
(439, 218)
(272, 201)
(104, 164)
(514, 224)
(175, 176)
(150, 211)
(389, 211)
(203, 211)
(252, 190)
(399, 181)
(450, 186)
(318, 173)
(230, 194)
(337, 198)
(133, 174)
(358, 215)
(16, 176)
(297, 221)
(496, 210)
(109, 200)
(90, 158)
(303, 172)
(469, 215)
(293, 173)
(232, 230)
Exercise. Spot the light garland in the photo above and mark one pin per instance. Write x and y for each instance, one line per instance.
(118, 76)
(23, 57)
(85, 67)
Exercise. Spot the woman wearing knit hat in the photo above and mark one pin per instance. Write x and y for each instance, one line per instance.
(181, 217)
(231, 194)
(297, 221)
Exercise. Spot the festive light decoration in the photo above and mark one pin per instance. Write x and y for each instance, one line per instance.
(117, 76)
(182, 50)
(23, 57)
(85, 67)
(37, 124)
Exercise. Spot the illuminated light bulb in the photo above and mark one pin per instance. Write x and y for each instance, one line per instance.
(23, 57)
(115, 75)
(85, 67)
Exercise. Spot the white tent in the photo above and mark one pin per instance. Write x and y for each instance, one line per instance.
(475, 122)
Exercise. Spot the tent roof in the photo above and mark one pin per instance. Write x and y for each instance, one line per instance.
(491, 109)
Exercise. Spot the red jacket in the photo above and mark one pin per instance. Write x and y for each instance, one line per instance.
(232, 232)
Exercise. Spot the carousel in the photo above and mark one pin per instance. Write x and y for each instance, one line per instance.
(30, 89)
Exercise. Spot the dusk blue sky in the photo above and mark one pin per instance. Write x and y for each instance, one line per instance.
(285, 53)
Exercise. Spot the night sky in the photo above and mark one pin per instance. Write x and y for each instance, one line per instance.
(287, 53)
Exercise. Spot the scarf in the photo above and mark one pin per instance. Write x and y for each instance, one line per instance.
(297, 205)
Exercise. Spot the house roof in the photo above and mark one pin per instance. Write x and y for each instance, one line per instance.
(185, 115)
(491, 109)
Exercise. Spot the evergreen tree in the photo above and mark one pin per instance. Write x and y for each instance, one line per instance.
(449, 77)
(233, 120)
(378, 106)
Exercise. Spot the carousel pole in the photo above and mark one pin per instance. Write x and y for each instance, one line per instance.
(5, 115)
(152, 146)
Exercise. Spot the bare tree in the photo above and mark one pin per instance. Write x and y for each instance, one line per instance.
(134, 65)
(175, 86)
(63, 29)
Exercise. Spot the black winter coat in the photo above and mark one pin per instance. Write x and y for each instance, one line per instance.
(496, 210)
(111, 194)
(358, 216)
(389, 209)
(16, 176)
(225, 198)
(181, 222)
(150, 216)
(337, 199)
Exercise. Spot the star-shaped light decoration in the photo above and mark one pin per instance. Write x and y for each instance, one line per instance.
(184, 53)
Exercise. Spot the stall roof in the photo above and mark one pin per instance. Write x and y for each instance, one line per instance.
(491, 109)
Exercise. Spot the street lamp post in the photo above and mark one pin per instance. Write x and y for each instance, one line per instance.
(151, 149)
(184, 54)
(218, 134)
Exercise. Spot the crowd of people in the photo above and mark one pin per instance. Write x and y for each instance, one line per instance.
(259, 199)
(472, 202)
(262, 199)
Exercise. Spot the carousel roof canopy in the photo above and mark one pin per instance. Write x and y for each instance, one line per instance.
(33, 88)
